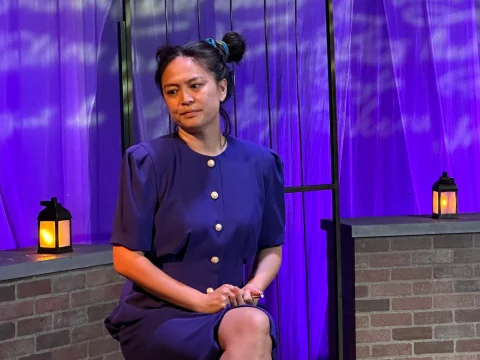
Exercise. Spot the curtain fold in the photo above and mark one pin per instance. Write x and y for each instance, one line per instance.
(53, 141)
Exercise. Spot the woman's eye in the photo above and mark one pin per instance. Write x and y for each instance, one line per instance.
(196, 86)
(171, 92)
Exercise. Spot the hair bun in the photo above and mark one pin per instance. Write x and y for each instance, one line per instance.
(236, 46)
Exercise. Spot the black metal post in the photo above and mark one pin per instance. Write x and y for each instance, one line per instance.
(125, 69)
(342, 345)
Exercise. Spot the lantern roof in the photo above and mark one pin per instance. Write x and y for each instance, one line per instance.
(445, 183)
(54, 211)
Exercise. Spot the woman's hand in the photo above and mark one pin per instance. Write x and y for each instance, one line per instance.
(217, 300)
(237, 299)
(251, 294)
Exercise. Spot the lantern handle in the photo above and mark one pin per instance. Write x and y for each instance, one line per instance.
(53, 202)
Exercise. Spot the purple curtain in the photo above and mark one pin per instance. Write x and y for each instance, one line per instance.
(59, 116)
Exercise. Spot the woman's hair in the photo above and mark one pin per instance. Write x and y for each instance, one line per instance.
(210, 54)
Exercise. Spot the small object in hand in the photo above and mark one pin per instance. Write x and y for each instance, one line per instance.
(258, 296)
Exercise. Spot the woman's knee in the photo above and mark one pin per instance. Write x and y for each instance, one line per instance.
(246, 320)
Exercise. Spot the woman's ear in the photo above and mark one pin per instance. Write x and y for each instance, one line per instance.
(222, 87)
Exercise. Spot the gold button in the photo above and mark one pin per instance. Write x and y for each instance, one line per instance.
(214, 195)
(211, 163)
(218, 227)
(214, 260)
(209, 290)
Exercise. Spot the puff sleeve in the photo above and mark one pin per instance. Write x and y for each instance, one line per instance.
(273, 221)
(134, 216)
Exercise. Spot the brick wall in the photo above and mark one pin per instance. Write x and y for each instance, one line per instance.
(59, 316)
(418, 297)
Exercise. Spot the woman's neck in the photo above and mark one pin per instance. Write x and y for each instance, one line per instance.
(211, 143)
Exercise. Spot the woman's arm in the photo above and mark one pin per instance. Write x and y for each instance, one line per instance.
(267, 264)
(136, 267)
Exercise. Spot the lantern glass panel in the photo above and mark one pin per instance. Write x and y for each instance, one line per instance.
(47, 234)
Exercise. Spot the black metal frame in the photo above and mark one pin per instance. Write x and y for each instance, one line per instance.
(338, 346)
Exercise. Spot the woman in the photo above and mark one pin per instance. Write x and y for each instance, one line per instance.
(194, 207)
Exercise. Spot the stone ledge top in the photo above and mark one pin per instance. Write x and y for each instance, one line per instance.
(25, 262)
(365, 227)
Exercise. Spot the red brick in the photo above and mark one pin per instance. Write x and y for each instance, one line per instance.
(34, 288)
(371, 275)
(390, 260)
(453, 332)
(453, 301)
(390, 289)
(467, 256)
(389, 319)
(432, 317)
(363, 351)
(73, 352)
(11, 349)
(433, 347)
(7, 331)
(467, 285)
(372, 245)
(52, 303)
(433, 287)
(69, 318)
(118, 356)
(107, 275)
(413, 303)
(452, 241)
(391, 350)
(462, 316)
(38, 356)
(412, 243)
(87, 332)
(112, 292)
(7, 293)
(34, 325)
(457, 357)
(372, 305)
(87, 297)
(361, 291)
(69, 282)
(16, 310)
(99, 312)
(370, 336)
(362, 261)
(453, 271)
(413, 273)
(54, 339)
(412, 333)
(102, 346)
(468, 345)
(433, 257)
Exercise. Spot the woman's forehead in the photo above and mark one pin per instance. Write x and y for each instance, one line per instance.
(182, 69)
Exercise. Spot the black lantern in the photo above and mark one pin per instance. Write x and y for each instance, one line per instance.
(445, 200)
(54, 228)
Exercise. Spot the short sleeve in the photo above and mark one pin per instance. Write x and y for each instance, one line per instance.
(273, 221)
(137, 199)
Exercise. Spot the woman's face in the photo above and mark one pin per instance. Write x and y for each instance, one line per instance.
(192, 94)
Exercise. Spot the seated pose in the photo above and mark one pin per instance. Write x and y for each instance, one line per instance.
(194, 207)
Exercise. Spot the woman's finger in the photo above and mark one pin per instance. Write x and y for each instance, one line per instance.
(247, 297)
(233, 300)
(239, 296)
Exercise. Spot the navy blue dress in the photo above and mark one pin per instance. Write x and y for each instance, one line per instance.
(200, 219)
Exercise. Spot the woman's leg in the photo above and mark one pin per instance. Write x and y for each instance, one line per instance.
(244, 333)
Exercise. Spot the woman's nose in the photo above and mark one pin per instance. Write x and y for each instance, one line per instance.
(186, 98)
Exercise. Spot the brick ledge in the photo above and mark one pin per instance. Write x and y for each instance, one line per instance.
(25, 262)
